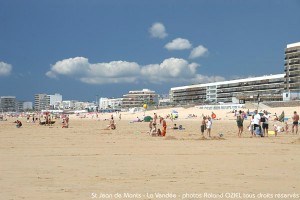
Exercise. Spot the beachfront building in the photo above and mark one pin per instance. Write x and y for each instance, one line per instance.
(46, 102)
(40, 102)
(8, 104)
(27, 105)
(110, 103)
(267, 88)
(54, 101)
(292, 72)
(138, 98)
(68, 104)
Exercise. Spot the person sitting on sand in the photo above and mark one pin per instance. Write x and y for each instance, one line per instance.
(65, 123)
(112, 124)
(19, 123)
(278, 129)
(153, 131)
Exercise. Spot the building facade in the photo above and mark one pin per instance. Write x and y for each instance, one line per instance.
(41, 102)
(8, 104)
(292, 72)
(110, 103)
(140, 97)
(268, 88)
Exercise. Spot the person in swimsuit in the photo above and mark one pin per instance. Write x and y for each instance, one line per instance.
(295, 122)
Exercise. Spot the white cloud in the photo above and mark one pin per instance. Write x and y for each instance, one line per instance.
(198, 52)
(100, 73)
(171, 69)
(207, 79)
(5, 69)
(175, 70)
(158, 30)
(179, 44)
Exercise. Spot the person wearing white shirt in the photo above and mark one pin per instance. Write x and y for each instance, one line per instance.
(256, 121)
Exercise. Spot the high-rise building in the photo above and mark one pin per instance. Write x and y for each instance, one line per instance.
(45, 101)
(292, 72)
(8, 104)
(41, 102)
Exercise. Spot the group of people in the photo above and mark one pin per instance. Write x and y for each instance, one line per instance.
(259, 124)
(153, 130)
(206, 124)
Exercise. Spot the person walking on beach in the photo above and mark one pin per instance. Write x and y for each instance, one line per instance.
(256, 125)
(251, 125)
(265, 124)
(208, 126)
(295, 122)
(239, 121)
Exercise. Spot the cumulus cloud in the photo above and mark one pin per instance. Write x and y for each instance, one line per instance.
(5, 69)
(170, 70)
(179, 44)
(198, 52)
(207, 79)
(158, 30)
(100, 73)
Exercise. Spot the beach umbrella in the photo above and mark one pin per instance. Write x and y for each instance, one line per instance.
(147, 118)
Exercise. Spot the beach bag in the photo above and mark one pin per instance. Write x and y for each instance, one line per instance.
(257, 131)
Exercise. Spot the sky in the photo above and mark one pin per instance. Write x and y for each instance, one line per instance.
(84, 49)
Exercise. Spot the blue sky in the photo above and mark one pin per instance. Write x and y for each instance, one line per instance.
(81, 48)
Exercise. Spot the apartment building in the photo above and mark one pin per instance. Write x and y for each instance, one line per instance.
(268, 88)
(46, 102)
(138, 98)
(8, 104)
(110, 103)
(292, 72)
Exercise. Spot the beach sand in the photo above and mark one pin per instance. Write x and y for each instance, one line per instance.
(84, 161)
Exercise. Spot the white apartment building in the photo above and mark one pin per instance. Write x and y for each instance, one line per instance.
(110, 103)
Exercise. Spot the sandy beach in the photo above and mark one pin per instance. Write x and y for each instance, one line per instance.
(85, 161)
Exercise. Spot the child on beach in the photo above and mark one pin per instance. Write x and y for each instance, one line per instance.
(203, 125)
(208, 126)
(286, 128)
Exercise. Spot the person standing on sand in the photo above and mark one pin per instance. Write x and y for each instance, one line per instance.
(155, 118)
(265, 124)
(208, 126)
(257, 122)
(295, 122)
(203, 125)
(164, 129)
(251, 125)
(239, 121)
